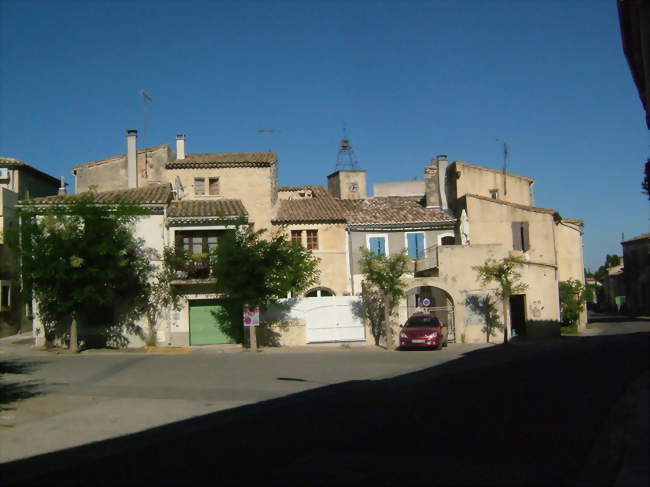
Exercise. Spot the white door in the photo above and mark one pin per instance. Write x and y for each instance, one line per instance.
(333, 319)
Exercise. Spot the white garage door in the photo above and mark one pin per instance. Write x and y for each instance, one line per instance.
(333, 319)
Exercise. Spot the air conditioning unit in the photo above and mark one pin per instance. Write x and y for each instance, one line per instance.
(4, 173)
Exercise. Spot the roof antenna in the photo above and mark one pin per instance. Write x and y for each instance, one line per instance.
(271, 132)
(346, 159)
(145, 98)
(506, 151)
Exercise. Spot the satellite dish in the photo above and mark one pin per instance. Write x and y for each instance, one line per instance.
(178, 188)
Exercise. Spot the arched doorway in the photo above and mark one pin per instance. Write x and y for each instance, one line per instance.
(431, 299)
(319, 292)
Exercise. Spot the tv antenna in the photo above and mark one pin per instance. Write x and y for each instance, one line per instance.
(145, 98)
(346, 158)
(506, 152)
(271, 133)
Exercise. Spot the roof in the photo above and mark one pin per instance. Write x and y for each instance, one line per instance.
(476, 166)
(206, 209)
(121, 156)
(393, 210)
(149, 195)
(643, 236)
(536, 209)
(235, 159)
(17, 163)
(321, 207)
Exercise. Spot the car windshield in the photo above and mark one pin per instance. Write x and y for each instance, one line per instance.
(422, 321)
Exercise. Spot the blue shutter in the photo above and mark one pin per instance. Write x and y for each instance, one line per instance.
(377, 245)
(415, 242)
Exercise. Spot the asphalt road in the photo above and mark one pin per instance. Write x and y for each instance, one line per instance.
(522, 414)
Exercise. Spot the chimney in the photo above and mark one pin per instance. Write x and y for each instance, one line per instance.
(62, 190)
(180, 146)
(132, 158)
(434, 182)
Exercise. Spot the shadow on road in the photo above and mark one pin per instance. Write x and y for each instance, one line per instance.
(611, 318)
(12, 391)
(504, 415)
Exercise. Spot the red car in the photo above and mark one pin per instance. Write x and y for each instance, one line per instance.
(423, 330)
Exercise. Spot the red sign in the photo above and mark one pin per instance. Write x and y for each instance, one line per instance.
(251, 315)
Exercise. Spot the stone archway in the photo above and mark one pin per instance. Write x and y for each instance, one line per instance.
(434, 300)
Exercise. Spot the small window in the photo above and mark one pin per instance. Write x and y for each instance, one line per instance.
(213, 186)
(296, 237)
(520, 237)
(494, 194)
(312, 239)
(199, 186)
(448, 240)
(377, 245)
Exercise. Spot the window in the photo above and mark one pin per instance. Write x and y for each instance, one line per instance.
(312, 239)
(415, 245)
(296, 237)
(197, 242)
(520, 238)
(448, 240)
(494, 194)
(319, 292)
(213, 186)
(377, 244)
(199, 186)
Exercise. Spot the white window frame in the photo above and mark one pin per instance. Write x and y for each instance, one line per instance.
(424, 241)
(445, 234)
(373, 235)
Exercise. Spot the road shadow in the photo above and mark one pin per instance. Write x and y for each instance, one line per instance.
(609, 318)
(518, 414)
(11, 390)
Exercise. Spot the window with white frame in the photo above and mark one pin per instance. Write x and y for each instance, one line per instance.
(378, 244)
(415, 245)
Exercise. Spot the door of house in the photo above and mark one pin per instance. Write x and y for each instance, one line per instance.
(518, 314)
(207, 323)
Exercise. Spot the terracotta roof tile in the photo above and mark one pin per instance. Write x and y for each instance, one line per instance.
(152, 195)
(17, 163)
(206, 208)
(393, 210)
(321, 207)
(238, 159)
(536, 209)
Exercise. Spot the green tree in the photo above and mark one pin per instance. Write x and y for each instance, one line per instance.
(257, 270)
(161, 293)
(610, 261)
(573, 296)
(83, 265)
(384, 273)
(506, 275)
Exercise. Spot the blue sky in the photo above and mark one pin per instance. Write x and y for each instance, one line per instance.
(410, 79)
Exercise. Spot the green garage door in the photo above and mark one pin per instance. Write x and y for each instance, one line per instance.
(207, 323)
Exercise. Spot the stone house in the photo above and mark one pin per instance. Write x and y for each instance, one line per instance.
(18, 181)
(459, 216)
(636, 274)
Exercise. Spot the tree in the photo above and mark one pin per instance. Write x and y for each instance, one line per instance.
(646, 180)
(610, 261)
(256, 270)
(161, 294)
(573, 296)
(384, 273)
(83, 265)
(505, 274)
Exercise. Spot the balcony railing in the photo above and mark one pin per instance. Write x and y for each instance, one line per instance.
(428, 262)
(185, 266)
